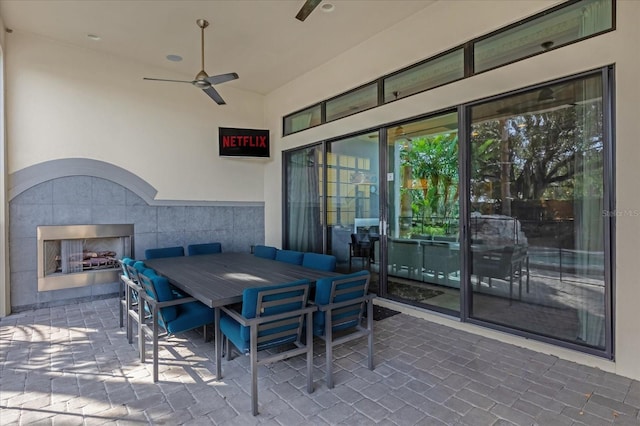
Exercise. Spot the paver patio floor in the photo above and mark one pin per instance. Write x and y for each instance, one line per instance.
(73, 365)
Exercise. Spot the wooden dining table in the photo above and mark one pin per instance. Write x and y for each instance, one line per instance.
(219, 279)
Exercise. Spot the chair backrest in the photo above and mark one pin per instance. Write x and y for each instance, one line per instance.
(266, 252)
(322, 262)
(159, 289)
(341, 289)
(271, 300)
(208, 248)
(126, 262)
(357, 244)
(158, 253)
(290, 256)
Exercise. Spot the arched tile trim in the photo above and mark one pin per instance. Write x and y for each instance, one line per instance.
(31, 176)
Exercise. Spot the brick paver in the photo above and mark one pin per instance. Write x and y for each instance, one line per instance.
(72, 365)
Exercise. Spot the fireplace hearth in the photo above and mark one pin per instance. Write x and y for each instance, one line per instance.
(79, 255)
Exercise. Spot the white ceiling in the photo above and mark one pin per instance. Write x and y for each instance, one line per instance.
(259, 39)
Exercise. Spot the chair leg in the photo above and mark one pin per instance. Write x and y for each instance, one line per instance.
(328, 340)
(205, 332)
(309, 353)
(121, 301)
(141, 337)
(253, 355)
(155, 345)
(370, 328)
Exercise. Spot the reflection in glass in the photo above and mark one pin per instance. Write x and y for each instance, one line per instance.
(433, 73)
(303, 203)
(305, 119)
(353, 206)
(352, 102)
(536, 227)
(569, 24)
(422, 244)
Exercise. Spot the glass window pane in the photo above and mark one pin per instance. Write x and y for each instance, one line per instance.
(554, 29)
(423, 248)
(350, 103)
(302, 120)
(433, 73)
(537, 229)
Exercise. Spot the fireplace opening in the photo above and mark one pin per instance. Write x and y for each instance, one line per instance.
(79, 255)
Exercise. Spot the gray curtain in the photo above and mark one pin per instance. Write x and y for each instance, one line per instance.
(304, 224)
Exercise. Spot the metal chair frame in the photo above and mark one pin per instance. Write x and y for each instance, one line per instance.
(144, 328)
(262, 323)
(337, 308)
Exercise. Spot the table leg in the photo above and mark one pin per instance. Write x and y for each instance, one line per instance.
(218, 343)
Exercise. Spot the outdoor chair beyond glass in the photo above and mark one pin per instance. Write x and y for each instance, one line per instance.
(174, 314)
(341, 304)
(271, 317)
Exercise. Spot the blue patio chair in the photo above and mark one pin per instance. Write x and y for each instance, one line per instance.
(158, 253)
(123, 288)
(271, 317)
(208, 248)
(341, 304)
(290, 256)
(132, 290)
(266, 252)
(322, 262)
(174, 315)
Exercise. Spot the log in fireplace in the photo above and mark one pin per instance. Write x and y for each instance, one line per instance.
(80, 255)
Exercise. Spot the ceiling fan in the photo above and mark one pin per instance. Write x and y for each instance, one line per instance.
(202, 79)
(306, 9)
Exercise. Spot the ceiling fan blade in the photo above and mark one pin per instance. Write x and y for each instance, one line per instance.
(221, 78)
(306, 9)
(162, 79)
(214, 95)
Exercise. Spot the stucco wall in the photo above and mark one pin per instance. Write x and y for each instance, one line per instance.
(68, 102)
(448, 24)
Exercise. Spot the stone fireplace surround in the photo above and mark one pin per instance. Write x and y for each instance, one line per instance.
(82, 191)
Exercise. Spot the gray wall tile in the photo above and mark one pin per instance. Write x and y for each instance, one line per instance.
(106, 193)
(22, 254)
(39, 194)
(82, 200)
(24, 219)
(108, 214)
(171, 219)
(74, 190)
(71, 214)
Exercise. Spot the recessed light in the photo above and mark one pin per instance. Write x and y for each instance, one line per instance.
(327, 7)
(174, 58)
(94, 37)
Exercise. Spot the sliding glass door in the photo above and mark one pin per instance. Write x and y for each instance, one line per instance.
(534, 254)
(537, 197)
(353, 204)
(423, 248)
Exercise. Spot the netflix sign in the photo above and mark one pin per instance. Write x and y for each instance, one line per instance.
(243, 142)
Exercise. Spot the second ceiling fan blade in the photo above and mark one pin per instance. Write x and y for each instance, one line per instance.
(163, 79)
(214, 95)
(306, 9)
(221, 78)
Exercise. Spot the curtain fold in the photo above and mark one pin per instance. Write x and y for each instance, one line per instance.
(304, 225)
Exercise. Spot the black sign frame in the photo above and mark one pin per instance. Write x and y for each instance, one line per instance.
(233, 142)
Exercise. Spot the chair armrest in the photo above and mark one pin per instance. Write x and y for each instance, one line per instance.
(259, 320)
(173, 302)
(366, 298)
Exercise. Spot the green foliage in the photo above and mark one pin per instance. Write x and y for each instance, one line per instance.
(432, 162)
